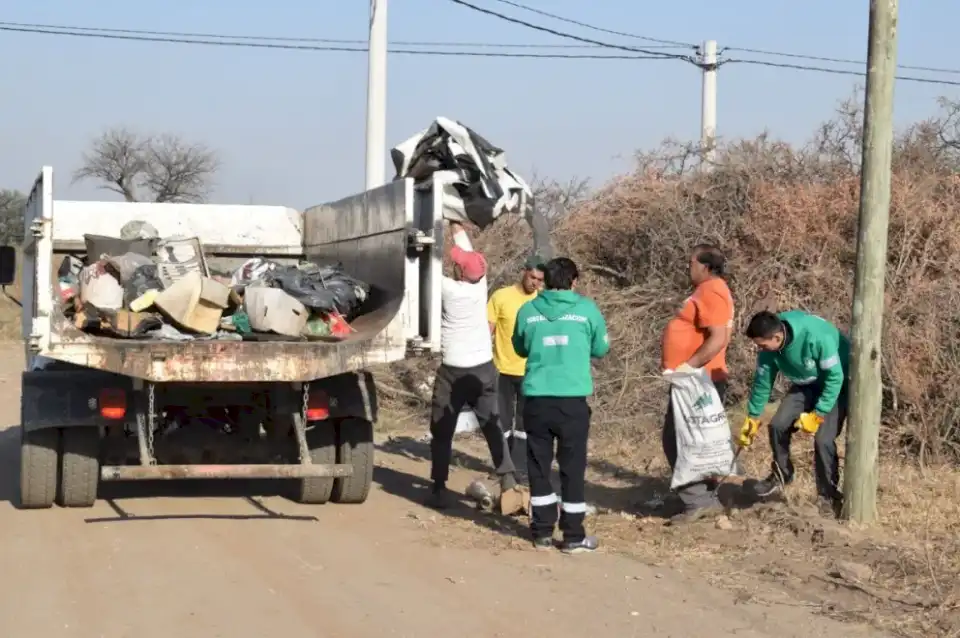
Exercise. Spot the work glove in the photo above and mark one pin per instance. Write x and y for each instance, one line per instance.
(809, 422)
(748, 432)
(685, 368)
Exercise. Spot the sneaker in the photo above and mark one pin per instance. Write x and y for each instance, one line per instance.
(588, 544)
(543, 542)
(440, 499)
(696, 514)
(768, 487)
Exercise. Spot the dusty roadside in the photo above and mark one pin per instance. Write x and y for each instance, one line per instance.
(211, 561)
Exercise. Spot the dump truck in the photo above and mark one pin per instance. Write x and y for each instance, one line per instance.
(98, 409)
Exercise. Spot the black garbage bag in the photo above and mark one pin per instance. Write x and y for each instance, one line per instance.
(321, 288)
(144, 278)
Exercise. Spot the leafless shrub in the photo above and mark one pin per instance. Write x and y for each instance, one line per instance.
(786, 216)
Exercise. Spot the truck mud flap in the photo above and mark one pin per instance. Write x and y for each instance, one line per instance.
(64, 398)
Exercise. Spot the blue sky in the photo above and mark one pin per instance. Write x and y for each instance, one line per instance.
(290, 125)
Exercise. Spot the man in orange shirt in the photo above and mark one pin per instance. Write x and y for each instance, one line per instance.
(698, 337)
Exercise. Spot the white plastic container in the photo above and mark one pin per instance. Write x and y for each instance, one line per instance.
(273, 310)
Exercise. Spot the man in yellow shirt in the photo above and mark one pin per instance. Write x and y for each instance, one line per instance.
(502, 311)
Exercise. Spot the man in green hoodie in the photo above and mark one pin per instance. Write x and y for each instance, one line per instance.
(813, 355)
(559, 332)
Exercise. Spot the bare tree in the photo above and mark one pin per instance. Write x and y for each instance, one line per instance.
(161, 168)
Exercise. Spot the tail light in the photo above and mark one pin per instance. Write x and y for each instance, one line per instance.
(318, 406)
(113, 404)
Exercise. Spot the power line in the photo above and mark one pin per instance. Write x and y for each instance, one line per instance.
(624, 34)
(346, 49)
(821, 69)
(262, 38)
(570, 36)
(818, 58)
(266, 42)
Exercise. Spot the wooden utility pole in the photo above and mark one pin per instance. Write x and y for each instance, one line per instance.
(861, 472)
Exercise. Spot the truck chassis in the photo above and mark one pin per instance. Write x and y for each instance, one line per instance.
(82, 427)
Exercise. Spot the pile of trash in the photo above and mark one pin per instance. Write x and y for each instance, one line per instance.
(139, 286)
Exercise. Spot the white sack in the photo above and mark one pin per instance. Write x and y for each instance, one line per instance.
(704, 448)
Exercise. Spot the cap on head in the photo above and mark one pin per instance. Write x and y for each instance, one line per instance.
(472, 264)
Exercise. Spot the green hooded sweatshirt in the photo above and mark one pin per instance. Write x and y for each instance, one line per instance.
(816, 352)
(558, 332)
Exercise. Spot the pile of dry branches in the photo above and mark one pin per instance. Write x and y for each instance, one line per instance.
(786, 217)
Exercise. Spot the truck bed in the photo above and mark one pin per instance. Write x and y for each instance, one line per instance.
(368, 233)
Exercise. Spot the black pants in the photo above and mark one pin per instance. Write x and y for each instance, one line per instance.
(453, 389)
(701, 493)
(564, 421)
(801, 399)
(510, 400)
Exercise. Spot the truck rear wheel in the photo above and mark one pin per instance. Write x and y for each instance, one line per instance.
(39, 454)
(355, 447)
(79, 467)
(322, 442)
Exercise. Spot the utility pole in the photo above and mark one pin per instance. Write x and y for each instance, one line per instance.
(377, 95)
(861, 474)
(708, 104)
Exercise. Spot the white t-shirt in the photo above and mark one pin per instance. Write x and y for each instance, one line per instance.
(464, 331)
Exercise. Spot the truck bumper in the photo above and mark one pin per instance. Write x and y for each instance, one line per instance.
(183, 472)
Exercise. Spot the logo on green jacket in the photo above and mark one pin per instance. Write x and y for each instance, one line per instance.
(703, 401)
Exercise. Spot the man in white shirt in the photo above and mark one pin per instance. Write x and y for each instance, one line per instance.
(467, 376)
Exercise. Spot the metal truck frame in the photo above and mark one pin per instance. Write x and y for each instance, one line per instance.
(96, 409)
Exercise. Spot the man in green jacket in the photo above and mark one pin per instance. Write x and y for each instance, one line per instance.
(813, 355)
(558, 333)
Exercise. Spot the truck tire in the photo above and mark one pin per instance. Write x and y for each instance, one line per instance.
(355, 447)
(79, 467)
(39, 456)
(322, 441)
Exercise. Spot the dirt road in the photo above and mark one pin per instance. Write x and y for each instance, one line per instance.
(203, 560)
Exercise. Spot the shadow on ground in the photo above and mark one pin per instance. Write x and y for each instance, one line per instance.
(415, 489)
(635, 493)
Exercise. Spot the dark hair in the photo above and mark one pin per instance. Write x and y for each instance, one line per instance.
(560, 273)
(764, 325)
(534, 262)
(711, 257)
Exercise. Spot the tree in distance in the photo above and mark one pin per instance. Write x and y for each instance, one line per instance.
(163, 168)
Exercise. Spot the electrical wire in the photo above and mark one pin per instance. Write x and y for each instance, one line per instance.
(262, 38)
(347, 49)
(821, 69)
(818, 58)
(672, 43)
(335, 45)
(570, 36)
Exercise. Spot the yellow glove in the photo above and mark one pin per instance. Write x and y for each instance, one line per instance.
(809, 422)
(748, 432)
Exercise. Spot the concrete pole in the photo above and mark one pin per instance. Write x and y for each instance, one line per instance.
(377, 95)
(708, 104)
(861, 472)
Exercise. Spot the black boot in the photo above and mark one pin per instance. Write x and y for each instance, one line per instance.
(518, 452)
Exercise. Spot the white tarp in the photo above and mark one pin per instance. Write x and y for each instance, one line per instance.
(486, 187)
